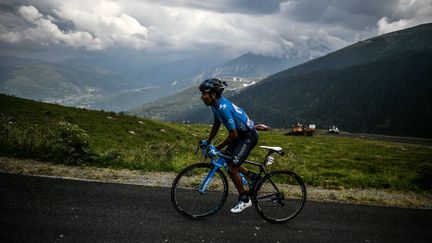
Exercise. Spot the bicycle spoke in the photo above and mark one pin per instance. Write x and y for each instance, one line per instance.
(280, 196)
(189, 201)
(266, 198)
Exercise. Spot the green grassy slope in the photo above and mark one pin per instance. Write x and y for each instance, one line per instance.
(121, 138)
(135, 143)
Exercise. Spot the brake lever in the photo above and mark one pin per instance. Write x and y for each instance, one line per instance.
(198, 149)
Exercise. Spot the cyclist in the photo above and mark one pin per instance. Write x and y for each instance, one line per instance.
(240, 141)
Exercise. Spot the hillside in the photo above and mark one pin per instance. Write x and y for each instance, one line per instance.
(252, 65)
(250, 68)
(382, 85)
(68, 84)
(105, 129)
(120, 83)
(174, 84)
(370, 50)
(73, 136)
(167, 108)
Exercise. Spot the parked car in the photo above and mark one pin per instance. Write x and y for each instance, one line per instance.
(262, 127)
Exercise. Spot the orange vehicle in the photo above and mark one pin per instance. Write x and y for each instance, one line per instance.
(301, 129)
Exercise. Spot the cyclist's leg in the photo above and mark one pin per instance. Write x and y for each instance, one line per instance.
(246, 142)
(232, 168)
(251, 143)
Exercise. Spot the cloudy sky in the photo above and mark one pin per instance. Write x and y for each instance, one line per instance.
(196, 27)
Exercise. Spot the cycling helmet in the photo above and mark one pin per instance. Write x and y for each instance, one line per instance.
(212, 85)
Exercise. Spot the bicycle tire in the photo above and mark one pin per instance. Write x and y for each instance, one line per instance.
(281, 203)
(186, 198)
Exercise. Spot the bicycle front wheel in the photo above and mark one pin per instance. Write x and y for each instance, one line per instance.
(280, 196)
(189, 201)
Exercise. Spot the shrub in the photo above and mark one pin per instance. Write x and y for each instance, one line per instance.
(111, 155)
(61, 142)
(151, 156)
(5, 133)
(70, 143)
(424, 176)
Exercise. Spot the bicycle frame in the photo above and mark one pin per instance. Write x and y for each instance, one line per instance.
(221, 162)
(263, 171)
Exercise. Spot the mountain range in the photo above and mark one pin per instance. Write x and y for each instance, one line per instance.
(120, 85)
(239, 73)
(380, 85)
(168, 108)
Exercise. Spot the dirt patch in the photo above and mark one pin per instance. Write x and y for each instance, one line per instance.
(375, 197)
(33, 167)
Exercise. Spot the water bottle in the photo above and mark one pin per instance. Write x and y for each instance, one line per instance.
(245, 182)
(269, 160)
(225, 166)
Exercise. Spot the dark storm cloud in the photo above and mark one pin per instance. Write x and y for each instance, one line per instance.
(221, 27)
(257, 6)
(353, 14)
(228, 6)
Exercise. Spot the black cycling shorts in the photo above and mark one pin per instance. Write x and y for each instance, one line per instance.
(241, 147)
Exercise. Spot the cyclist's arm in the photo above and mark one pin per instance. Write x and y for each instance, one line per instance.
(228, 120)
(231, 136)
(214, 130)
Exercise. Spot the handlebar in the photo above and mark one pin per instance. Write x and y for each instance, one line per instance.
(211, 152)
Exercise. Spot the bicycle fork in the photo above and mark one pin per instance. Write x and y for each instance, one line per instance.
(206, 182)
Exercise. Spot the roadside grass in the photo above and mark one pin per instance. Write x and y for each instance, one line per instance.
(335, 162)
(104, 139)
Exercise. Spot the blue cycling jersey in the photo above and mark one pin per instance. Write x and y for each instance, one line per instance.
(232, 116)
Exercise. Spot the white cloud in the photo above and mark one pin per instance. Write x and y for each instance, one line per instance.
(10, 37)
(42, 30)
(103, 18)
(407, 13)
(384, 26)
(29, 13)
(98, 26)
(230, 28)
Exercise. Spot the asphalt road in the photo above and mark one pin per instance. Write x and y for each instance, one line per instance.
(36, 209)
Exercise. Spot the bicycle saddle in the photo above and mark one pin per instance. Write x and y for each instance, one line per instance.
(273, 149)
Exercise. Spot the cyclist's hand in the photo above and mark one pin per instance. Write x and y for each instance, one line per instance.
(212, 151)
(203, 144)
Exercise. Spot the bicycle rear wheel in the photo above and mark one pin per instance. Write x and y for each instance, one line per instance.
(280, 196)
(189, 201)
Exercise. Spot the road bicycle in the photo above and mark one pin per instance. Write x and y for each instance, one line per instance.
(200, 190)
